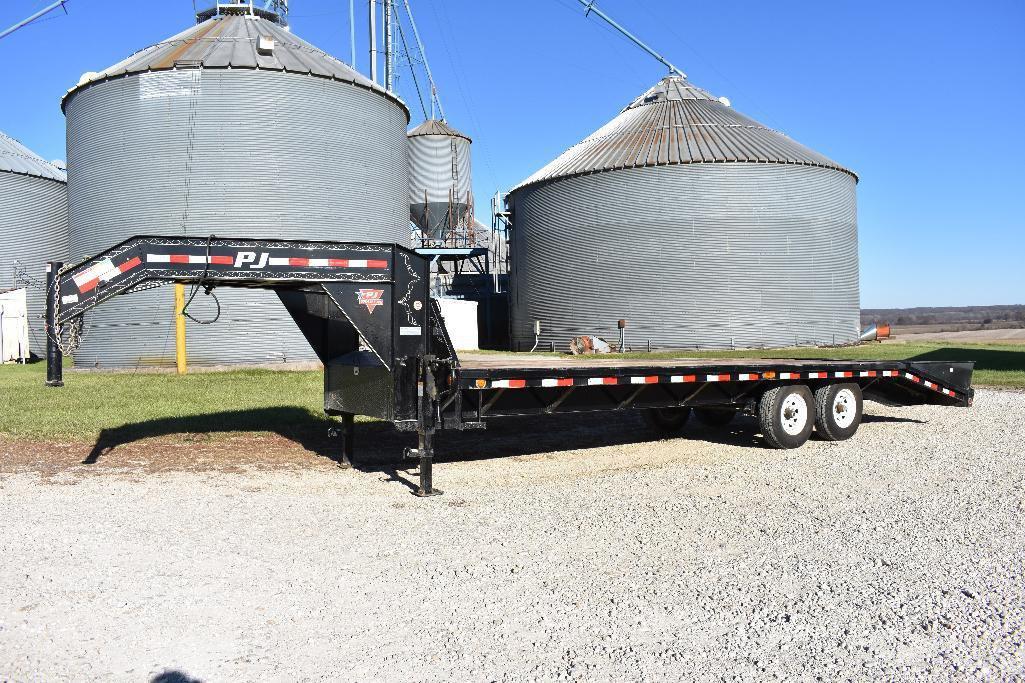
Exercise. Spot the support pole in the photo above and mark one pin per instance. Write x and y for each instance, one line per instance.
(373, 39)
(179, 328)
(427, 466)
(54, 355)
(348, 437)
(352, 33)
(389, 49)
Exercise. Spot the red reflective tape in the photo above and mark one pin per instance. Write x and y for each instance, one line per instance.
(517, 383)
(816, 375)
(222, 260)
(338, 262)
(377, 264)
(128, 265)
(298, 261)
(88, 286)
(179, 258)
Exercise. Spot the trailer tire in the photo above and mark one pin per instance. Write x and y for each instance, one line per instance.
(666, 420)
(786, 415)
(838, 410)
(715, 417)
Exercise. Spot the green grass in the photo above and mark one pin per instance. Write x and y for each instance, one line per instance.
(136, 404)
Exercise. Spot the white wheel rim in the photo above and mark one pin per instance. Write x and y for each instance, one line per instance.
(845, 407)
(793, 414)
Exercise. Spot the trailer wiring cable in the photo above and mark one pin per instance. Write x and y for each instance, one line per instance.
(208, 290)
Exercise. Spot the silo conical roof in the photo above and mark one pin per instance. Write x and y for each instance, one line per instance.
(17, 158)
(233, 42)
(436, 127)
(676, 122)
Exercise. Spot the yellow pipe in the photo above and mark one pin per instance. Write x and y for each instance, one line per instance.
(179, 328)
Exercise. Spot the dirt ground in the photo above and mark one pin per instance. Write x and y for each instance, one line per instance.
(571, 548)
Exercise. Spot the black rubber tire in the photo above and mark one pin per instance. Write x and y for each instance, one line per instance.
(666, 420)
(770, 416)
(825, 414)
(715, 417)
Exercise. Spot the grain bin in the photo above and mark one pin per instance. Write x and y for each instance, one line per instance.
(696, 224)
(34, 230)
(234, 127)
(440, 188)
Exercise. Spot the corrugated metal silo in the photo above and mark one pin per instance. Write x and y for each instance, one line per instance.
(34, 229)
(440, 192)
(234, 127)
(698, 225)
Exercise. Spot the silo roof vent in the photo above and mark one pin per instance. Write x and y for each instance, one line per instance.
(265, 45)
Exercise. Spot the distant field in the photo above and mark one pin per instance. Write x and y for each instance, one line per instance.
(139, 404)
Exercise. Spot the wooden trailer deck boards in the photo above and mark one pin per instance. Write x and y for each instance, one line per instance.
(367, 311)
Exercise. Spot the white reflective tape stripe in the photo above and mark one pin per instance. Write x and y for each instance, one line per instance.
(746, 377)
(790, 375)
(319, 262)
(677, 379)
(549, 382)
(277, 261)
(863, 373)
(69, 299)
(158, 258)
(712, 378)
(357, 263)
(500, 383)
(592, 381)
(101, 271)
(909, 375)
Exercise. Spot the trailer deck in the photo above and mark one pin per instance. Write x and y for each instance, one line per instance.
(367, 311)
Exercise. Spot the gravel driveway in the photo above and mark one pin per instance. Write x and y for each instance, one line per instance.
(897, 555)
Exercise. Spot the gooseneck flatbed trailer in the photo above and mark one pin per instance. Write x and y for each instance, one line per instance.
(366, 309)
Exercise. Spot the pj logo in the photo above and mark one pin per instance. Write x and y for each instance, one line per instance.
(371, 298)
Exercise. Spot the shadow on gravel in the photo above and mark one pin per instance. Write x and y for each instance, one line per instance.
(379, 447)
(174, 677)
(292, 423)
(890, 418)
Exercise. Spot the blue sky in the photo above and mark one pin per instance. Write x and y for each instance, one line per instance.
(921, 99)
